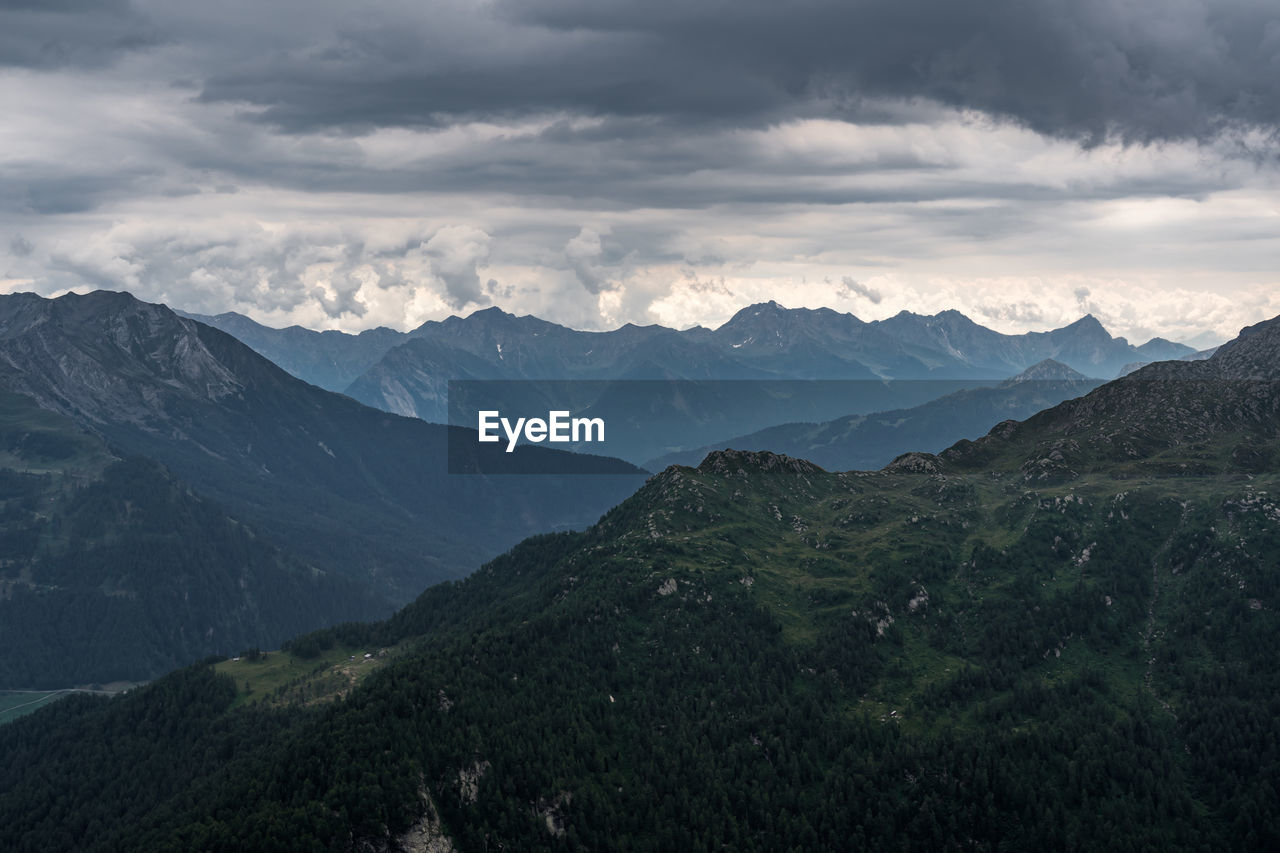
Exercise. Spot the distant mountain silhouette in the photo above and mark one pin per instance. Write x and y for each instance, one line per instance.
(404, 372)
(868, 442)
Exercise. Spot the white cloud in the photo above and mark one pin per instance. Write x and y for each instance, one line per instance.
(583, 254)
(458, 252)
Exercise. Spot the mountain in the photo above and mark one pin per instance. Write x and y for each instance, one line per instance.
(657, 388)
(1083, 345)
(1195, 356)
(866, 442)
(1058, 636)
(764, 342)
(760, 341)
(354, 491)
(412, 378)
(1219, 415)
(805, 343)
(113, 570)
(330, 359)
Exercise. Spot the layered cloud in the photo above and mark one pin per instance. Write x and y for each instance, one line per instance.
(604, 162)
(1087, 69)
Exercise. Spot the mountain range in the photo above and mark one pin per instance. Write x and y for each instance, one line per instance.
(406, 373)
(1059, 635)
(302, 491)
(871, 441)
(531, 364)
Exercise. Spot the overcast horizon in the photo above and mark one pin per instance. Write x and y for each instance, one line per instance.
(598, 163)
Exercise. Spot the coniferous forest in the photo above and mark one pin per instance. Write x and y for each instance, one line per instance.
(752, 655)
(1060, 635)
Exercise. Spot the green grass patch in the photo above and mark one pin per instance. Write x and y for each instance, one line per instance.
(15, 705)
(281, 678)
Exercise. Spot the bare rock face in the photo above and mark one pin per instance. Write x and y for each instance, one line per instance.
(425, 836)
(108, 357)
(915, 463)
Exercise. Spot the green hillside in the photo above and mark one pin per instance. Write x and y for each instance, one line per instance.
(890, 656)
(1036, 640)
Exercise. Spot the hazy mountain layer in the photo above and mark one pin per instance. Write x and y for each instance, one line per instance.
(761, 341)
(330, 359)
(352, 490)
(406, 372)
(112, 569)
(867, 442)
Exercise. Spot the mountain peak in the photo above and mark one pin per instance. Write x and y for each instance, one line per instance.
(915, 462)
(486, 316)
(1047, 370)
(24, 310)
(1254, 354)
(755, 310)
(1087, 323)
(728, 462)
(107, 345)
(491, 311)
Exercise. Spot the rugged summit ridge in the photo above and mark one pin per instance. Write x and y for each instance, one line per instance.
(759, 341)
(353, 490)
(103, 357)
(1252, 355)
(727, 462)
(1218, 414)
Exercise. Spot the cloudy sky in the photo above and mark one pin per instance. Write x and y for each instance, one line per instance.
(347, 165)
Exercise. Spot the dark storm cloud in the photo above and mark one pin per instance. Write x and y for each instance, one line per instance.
(652, 95)
(1083, 69)
(624, 164)
(48, 191)
(45, 34)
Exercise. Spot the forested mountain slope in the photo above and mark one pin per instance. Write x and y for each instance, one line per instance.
(976, 650)
(111, 569)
